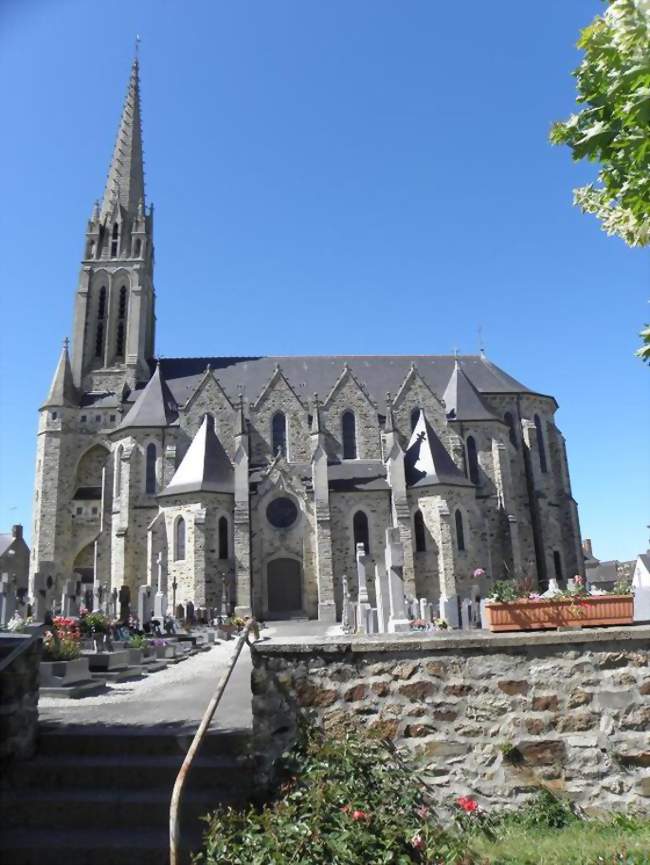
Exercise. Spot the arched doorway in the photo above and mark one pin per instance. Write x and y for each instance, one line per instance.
(284, 588)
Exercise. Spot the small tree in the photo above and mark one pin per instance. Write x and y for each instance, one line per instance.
(613, 127)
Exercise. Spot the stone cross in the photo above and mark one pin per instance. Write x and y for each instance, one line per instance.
(363, 604)
(160, 601)
(70, 598)
(7, 600)
(398, 620)
(43, 596)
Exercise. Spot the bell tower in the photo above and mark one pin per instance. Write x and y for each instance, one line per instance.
(114, 305)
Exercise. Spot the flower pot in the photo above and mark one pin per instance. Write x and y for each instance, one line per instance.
(60, 673)
(586, 612)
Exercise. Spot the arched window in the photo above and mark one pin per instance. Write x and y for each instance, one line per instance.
(557, 562)
(121, 321)
(101, 315)
(360, 529)
(179, 539)
(279, 433)
(118, 472)
(540, 445)
(138, 248)
(150, 475)
(349, 429)
(415, 416)
(223, 538)
(510, 421)
(420, 535)
(460, 532)
(114, 239)
(472, 460)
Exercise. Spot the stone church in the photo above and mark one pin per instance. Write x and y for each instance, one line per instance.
(254, 478)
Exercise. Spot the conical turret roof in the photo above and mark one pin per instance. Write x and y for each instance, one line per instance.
(62, 390)
(155, 407)
(426, 461)
(125, 181)
(205, 467)
(462, 400)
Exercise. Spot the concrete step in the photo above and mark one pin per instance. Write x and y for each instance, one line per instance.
(98, 809)
(130, 772)
(83, 847)
(80, 741)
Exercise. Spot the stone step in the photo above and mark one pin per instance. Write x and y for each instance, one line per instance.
(99, 809)
(224, 775)
(80, 741)
(84, 847)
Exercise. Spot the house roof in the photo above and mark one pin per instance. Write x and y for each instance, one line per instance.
(462, 400)
(6, 541)
(154, 407)
(205, 467)
(426, 461)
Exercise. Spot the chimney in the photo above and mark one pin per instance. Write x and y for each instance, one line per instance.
(17, 532)
(586, 547)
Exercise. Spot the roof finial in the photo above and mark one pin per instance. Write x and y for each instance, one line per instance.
(66, 344)
(137, 47)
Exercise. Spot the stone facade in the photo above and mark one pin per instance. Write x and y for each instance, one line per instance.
(19, 665)
(116, 427)
(497, 717)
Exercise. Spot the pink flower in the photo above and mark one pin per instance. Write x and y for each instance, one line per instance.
(360, 816)
(479, 572)
(422, 812)
(417, 842)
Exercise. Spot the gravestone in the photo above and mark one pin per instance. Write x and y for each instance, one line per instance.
(7, 600)
(145, 605)
(346, 622)
(383, 598)
(394, 557)
(425, 611)
(43, 597)
(553, 588)
(449, 611)
(70, 601)
(363, 604)
(125, 603)
(160, 601)
(189, 613)
(641, 586)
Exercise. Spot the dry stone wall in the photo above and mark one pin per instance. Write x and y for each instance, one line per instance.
(495, 716)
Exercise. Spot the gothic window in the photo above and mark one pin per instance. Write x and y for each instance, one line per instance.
(510, 421)
(557, 562)
(114, 239)
(101, 315)
(540, 444)
(415, 415)
(150, 473)
(420, 536)
(361, 533)
(138, 248)
(349, 430)
(460, 532)
(121, 321)
(223, 538)
(179, 539)
(279, 433)
(472, 460)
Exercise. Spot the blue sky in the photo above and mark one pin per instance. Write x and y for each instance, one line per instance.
(351, 176)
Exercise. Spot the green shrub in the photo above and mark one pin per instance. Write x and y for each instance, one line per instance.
(345, 801)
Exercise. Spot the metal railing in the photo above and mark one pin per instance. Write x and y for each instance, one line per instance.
(177, 793)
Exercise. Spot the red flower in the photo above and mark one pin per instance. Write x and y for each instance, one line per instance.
(359, 815)
(417, 842)
(467, 804)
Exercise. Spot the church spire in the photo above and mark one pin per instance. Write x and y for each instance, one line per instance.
(62, 390)
(125, 181)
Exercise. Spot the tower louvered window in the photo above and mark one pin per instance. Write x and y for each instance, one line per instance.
(223, 538)
(460, 531)
(150, 470)
(121, 323)
(472, 460)
(420, 535)
(361, 533)
(349, 435)
(180, 539)
(114, 240)
(101, 316)
(279, 433)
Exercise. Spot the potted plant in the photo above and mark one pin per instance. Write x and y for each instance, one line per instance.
(512, 607)
(61, 663)
(96, 626)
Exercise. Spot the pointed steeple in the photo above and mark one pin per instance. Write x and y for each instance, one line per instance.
(62, 390)
(155, 407)
(462, 401)
(426, 461)
(205, 467)
(125, 181)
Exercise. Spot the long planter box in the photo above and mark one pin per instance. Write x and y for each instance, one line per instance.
(591, 612)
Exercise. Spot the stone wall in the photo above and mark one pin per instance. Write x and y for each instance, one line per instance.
(19, 664)
(495, 716)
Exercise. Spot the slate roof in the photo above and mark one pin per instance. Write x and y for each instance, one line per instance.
(361, 475)
(314, 374)
(205, 467)
(154, 407)
(426, 460)
(462, 401)
(62, 390)
(6, 541)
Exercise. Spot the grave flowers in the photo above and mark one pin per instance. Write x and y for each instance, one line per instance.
(514, 607)
(96, 626)
(62, 641)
